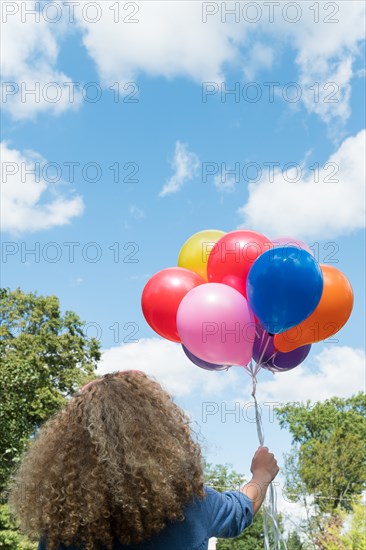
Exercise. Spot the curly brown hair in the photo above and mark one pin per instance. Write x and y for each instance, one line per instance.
(119, 460)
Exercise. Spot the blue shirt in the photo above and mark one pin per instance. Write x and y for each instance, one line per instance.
(221, 515)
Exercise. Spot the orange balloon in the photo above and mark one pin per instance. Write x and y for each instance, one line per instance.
(329, 316)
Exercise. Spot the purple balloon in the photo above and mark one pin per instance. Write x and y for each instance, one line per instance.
(201, 363)
(265, 353)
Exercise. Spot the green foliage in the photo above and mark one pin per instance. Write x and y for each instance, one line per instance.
(355, 537)
(10, 537)
(294, 485)
(223, 477)
(45, 357)
(294, 542)
(251, 538)
(317, 421)
(328, 455)
(333, 536)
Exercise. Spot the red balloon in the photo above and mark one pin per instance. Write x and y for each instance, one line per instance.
(232, 257)
(161, 298)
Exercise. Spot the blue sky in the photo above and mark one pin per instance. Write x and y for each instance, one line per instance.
(166, 137)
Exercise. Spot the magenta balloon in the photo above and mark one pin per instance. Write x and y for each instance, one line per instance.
(215, 323)
(289, 241)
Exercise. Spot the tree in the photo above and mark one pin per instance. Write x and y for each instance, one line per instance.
(10, 536)
(45, 357)
(334, 536)
(327, 460)
(294, 542)
(355, 536)
(223, 478)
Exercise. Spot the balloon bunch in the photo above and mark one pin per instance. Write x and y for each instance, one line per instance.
(238, 296)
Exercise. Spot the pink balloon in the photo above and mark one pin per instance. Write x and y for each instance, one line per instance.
(289, 241)
(215, 323)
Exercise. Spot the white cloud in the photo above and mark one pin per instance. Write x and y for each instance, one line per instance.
(139, 277)
(136, 212)
(327, 90)
(76, 281)
(185, 165)
(225, 183)
(325, 45)
(294, 514)
(168, 39)
(158, 44)
(28, 201)
(310, 208)
(336, 371)
(30, 63)
(259, 57)
(167, 362)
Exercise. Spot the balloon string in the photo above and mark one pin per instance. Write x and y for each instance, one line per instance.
(272, 367)
(270, 513)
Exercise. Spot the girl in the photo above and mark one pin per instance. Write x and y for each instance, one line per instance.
(117, 468)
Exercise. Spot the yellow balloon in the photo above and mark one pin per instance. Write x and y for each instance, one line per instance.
(196, 250)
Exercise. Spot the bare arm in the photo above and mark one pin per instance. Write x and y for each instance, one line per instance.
(264, 469)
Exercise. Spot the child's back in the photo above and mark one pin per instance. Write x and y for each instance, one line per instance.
(118, 468)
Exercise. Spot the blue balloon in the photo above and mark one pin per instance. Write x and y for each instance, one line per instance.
(284, 286)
